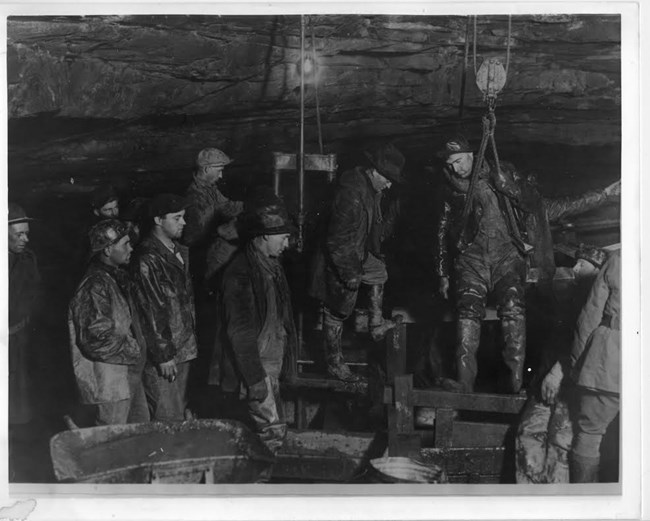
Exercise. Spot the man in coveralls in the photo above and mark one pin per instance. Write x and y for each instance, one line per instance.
(505, 221)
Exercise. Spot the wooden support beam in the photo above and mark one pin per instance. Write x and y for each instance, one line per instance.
(503, 403)
(444, 428)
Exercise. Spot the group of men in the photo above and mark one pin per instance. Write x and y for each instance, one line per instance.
(132, 321)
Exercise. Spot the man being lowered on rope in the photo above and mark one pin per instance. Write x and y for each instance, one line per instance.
(493, 219)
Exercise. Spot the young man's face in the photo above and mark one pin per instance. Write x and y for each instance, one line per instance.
(110, 210)
(212, 173)
(461, 164)
(119, 253)
(18, 237)
(379, 182)
(274, 245)
(172, 224)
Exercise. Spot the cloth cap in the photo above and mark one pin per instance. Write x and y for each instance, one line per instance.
(106, 233)
(455, 145)
(593, 254)
(102, 195)
(387, 160)
(270, 219)
(162, 204)
(212, 157)
(17, 214)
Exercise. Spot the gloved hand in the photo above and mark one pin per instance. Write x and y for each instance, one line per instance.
(551, 384)
(613, 190)
(258, 391)
(353, 284)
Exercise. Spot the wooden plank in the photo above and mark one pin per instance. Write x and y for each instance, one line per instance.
(504, 403)
(479, 434)
(316, 162)
(404, 404)
(444, 428)
(313, 381)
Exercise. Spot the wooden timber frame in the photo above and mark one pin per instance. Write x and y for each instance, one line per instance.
(401, 400)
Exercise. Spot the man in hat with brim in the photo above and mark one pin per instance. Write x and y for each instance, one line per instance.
(545, 429)
(256, 328)
(210, 231)
(166, 302)
(485, 243)
(24, 283)
(108, 351)
(350, 254)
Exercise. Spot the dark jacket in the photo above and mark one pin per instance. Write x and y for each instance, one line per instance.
(596, 352)
(105, 335)
(166, 301)
(338, 263)
(24, 285)
(533, 215)
(243, 306)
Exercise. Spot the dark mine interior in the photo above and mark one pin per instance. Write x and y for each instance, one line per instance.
(129, 101)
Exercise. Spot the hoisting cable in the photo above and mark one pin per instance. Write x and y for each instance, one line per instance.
(463, 78)
(490, 79)
(313, 57)
(301, 154)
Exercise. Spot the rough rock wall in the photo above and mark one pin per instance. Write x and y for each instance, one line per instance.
(133, 98)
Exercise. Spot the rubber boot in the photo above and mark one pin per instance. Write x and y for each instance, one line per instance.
(376, 323)
(514, 353)
(468, 332)
(336, 367)
(583, 469)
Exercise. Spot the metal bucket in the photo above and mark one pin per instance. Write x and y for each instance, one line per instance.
(405, 470)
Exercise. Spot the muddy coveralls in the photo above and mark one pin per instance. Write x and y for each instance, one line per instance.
(487, 261)
(255, 332)
(596, 362)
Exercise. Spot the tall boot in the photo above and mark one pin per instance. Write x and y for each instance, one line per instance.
(468, 332)
(514, 353)
(583, 469)
(336, 366)
(377, 324)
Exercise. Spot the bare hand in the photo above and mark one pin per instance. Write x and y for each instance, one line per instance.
(444, 287)
(259, 391)
(551, 384)
(613, 190)
(168, 370)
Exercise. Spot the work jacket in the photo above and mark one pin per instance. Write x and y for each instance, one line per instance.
(350, 236)
(165, 299)
(596, 351)
(237, 357)
(210, 229)
(532, 216)
(24, 283)
(105, 335)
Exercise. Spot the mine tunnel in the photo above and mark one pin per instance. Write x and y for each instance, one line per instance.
(130, 101)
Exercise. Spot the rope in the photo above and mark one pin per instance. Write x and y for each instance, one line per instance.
(318, 123)
(463, 79)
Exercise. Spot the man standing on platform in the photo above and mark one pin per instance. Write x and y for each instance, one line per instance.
(166, 303)
(489, 236)
(351, 252)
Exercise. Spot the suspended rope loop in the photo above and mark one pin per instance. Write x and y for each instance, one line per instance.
(508, 44)
(475, 69)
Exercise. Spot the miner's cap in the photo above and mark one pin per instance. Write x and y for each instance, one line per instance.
(103, 195)
(106, 233)
(387, 160)
(212, 157)
(457, 144)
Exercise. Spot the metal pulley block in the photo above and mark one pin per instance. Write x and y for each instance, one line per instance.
(491, 77)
